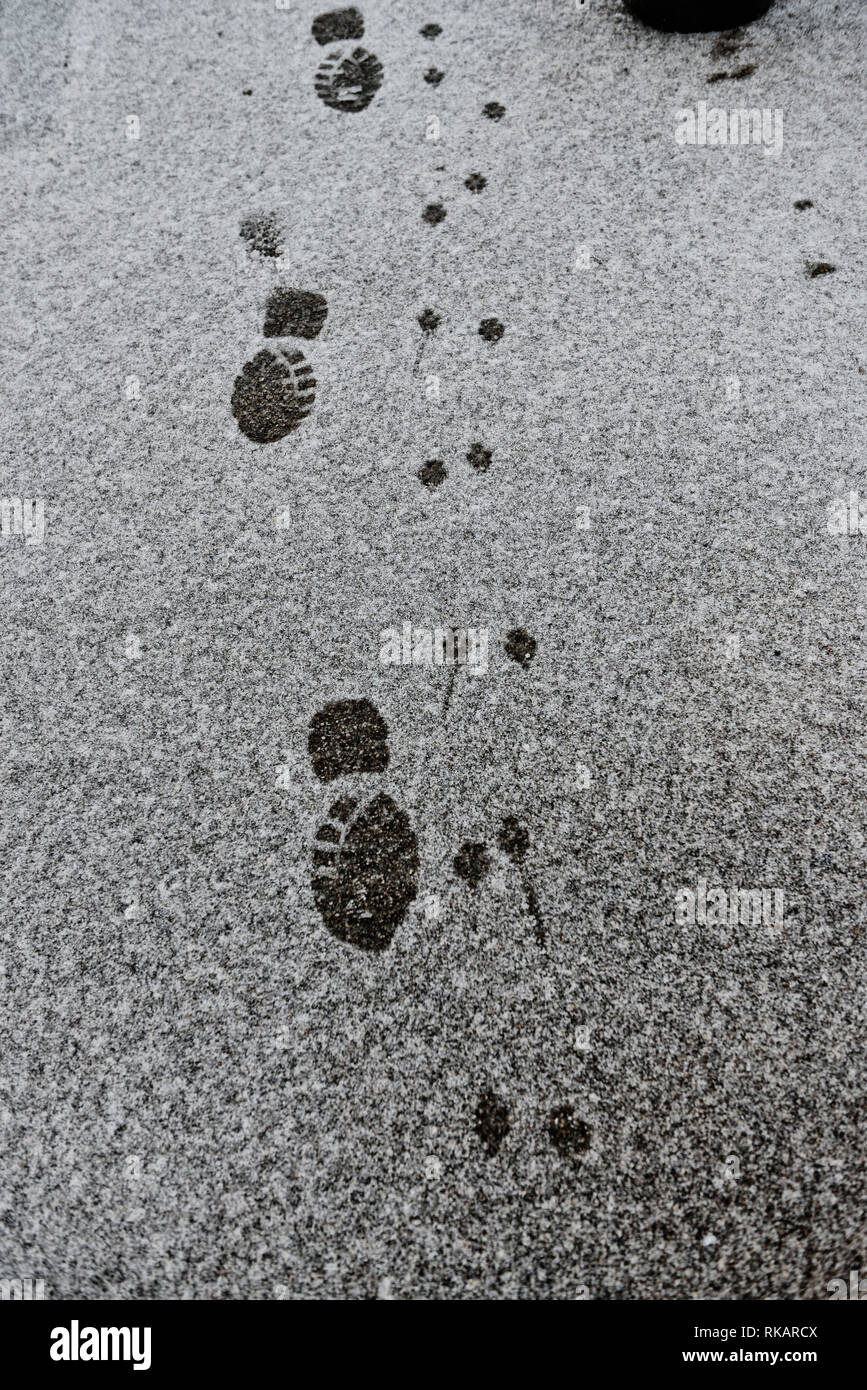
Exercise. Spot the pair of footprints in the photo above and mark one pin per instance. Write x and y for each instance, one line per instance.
(569, 1135)
(365, 856)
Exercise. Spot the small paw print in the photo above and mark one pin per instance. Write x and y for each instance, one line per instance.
(570, 1136)
(432, 473)
(434, 213)
(479, 457)
(514, 839)
(431, 31)
(491, 330)
(475, 182)
(434, 76)
(472, 862)
(494, 111)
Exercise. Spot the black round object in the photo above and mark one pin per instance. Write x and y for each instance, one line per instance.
(697, 16)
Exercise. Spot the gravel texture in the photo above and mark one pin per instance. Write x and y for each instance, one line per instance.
(544, 374)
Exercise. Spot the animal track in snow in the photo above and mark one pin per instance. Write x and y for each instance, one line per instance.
(491, 330)
(569, 1135)
(473, 862)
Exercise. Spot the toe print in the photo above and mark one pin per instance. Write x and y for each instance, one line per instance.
(345, 737)
(570, 1136)
(365, 871)
(338, 24)
(294, 314)
(276, 389)
(492, 1122)
(273, 394)
(348, 81)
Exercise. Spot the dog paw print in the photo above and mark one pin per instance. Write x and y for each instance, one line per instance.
(479, 458)
(432, 474)
(276, 389)
(348, 78)
(365, 856)
(473, 861)
(491, 330)
(569, 1135)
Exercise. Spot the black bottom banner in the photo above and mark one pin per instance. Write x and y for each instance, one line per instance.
(167, 1341)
